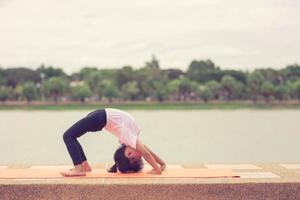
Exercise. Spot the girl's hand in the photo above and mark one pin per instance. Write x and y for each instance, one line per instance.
(163, 167)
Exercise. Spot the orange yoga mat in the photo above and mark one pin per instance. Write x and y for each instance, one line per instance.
(102, 173)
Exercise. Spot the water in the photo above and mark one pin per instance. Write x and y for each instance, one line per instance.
(187, 137)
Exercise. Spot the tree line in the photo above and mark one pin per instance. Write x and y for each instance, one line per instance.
(202, 81)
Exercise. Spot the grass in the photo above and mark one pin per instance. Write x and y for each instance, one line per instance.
(149, 106)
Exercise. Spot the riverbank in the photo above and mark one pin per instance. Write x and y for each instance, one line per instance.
(219, 105)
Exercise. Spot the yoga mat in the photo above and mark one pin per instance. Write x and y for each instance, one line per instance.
(102, 173)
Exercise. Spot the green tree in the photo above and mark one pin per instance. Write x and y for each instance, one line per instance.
(203, 71)
(4, 93)
(205, 93)
(172, 74)
(15, 76)
(172, 88)
(187, 88)
(18, 92)
(254, 80)
(267, 90)
(55, 87)
(161, 92)
(296, 88)
(130, 90)
(3, 79)
(281, 92)
(81, 92)
(291, 72)
(110, 90)
(124, 75)
(51, 71)
(214, 87)
(153, 64)
(231, 88)
(29, 91)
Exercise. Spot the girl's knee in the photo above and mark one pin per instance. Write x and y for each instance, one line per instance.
(67, 136)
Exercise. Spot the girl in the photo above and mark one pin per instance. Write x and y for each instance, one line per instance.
(122, 125)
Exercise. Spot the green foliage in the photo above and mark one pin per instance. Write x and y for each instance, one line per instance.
(203, 71)
(29, 91)
(202, 80)
(172, 74)
(282, 92)
(110, 90)
(55, 87)
(231, 88)
(81, 92)
(291, 72)
(4, 93)
(124, 75)
(130, 90)
(254, 81)
(295, 86)
(205, 93)
(153, 64)
(3, 79)
(15, 76)
(267, 90)
(50, 71)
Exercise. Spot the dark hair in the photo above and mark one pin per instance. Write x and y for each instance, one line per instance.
(124, 164)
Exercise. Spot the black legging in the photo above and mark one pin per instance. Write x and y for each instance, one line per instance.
(94, 121)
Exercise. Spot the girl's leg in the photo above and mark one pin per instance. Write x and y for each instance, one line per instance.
(90, 123)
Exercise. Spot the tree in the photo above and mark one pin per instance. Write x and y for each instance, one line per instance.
(205, 93)
(173, 73)
(55, 87)
(51, 72)
(296, 88)
(124, 75)
(203, 71)
(3, 79)
(29, 91)
(161, 92)
(4, 93)
(130, 90)
(237, 75)
(267, 90)
(231, 88)
(254, 80)
(15, 76)
(291, 72)
(153, 64)
(212, 87)
(172, 88)
(187, 88)
(110, 90)
(81, 92)
(18, 92)
(281, 92)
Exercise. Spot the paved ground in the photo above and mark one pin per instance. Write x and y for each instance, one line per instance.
(258, 181)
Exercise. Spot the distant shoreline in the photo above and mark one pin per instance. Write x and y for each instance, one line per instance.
(218, 105)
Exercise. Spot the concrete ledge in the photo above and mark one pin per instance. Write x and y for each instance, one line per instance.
(284, 186)
(229, 191)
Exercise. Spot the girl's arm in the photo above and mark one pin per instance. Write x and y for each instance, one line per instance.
(148, 156)
(157, 159)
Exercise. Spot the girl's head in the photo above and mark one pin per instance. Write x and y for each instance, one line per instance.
(127, 159)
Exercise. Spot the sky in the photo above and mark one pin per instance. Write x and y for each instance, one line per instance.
(71, 34)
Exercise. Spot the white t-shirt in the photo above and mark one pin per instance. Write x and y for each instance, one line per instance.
(123, 126)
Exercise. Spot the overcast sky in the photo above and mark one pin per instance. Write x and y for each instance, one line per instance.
(235, 34)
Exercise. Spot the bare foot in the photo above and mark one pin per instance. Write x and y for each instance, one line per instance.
(86, 167)
(73, 172)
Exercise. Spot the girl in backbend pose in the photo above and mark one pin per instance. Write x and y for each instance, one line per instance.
(128, 157)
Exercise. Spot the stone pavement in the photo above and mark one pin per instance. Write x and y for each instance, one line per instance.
(257, 181)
